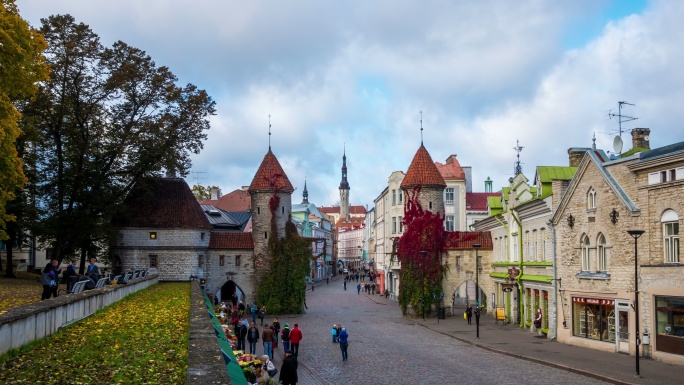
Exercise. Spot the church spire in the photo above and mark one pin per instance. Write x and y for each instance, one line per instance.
(305, 195)
(344, 184)
(344, 188)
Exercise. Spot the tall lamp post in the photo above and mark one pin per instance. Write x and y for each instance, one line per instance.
(636, 234)
(477, 289)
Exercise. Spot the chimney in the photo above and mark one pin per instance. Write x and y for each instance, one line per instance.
(468, 171)
(640, 138)
(575, 156)
(215, 194)
(450, 158)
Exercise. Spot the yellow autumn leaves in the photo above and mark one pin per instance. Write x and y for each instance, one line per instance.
(17, 292)
(141, 339)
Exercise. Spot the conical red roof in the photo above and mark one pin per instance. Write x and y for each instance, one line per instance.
(422, 172)
(270, 176)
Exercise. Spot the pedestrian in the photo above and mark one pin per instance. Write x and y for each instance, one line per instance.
(253, 310)
(358, 289)
(267, 339)
(469, 313)
(344, 343)
(285, 337)
(239, 334)
(261, 314)
(276, 329)
(48, 278)
(386, 293)
(268, 367)
(295, 339)
(345, 284)
(312, 287)
(373, 288)
(252, 338)
(234, 299)
(538, 319)
(327, 280)
(70, 272)
(288, 372)
(334, 333)
(477, 314)
(93, 272)
(241, 308)
(339, 330)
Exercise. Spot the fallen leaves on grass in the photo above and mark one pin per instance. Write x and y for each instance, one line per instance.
(18, 292)
(141, 339)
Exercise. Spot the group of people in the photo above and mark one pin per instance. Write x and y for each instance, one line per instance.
(469, 313)
(340, 336)
(270, 335)
(49, 276)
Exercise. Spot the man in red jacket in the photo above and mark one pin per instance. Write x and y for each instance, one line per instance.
(295, 337)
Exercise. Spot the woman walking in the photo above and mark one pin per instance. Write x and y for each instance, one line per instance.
(344, 343)
(252, 338)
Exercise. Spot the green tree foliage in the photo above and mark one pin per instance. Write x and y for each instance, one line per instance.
(420, 248)
(282, 287)
(202, 193)
(108, 117)
(21, 67)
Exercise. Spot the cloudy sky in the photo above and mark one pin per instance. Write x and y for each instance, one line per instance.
(484, 74)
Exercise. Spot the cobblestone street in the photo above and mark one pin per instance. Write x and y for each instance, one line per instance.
(385, 348)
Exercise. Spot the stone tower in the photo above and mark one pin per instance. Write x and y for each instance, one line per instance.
(270, 181)
(423, 173)
(344, 189)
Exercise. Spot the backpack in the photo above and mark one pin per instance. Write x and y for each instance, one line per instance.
(286, 334)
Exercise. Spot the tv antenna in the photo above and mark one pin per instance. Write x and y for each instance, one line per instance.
(617, 142)
(196, 176)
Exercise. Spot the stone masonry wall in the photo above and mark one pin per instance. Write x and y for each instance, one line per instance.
(241, 275)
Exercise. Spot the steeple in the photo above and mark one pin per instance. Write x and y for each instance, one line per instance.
(344, 188)
(305, 195)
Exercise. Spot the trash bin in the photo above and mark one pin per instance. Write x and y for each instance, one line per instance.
(441, 313)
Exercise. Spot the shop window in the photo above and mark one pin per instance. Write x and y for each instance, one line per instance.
(222, 260)
(670, 221)
(591, 199)
(591, 318)
(586, 262)
(153, 260)
(601, 253)
(670, 324)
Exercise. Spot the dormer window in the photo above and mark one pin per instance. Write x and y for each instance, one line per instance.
(591, 199)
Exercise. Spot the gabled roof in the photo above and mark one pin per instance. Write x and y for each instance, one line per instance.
(451, 169)
(355, 210)
(463, 240)
(477, 201)
(235, 201)
(633, 151)
(350, 223)
(422, 172)
(220, 219)
(161, 203)
(495, 204)
(229, 240)
(547, 174)
(270, 176)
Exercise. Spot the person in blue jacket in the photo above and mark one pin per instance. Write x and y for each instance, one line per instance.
(344, 343)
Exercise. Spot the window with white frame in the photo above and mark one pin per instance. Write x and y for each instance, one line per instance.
(534, 245)
(394, 225)
(449, 223)
(670, 221)
(449, 195)
(515, 247)
(528, 253)
(506, 249)
(394, 197)
(400, 224)
(584, 244)
(542, 236)
(401, 196)
(591, 199)
(601, 253)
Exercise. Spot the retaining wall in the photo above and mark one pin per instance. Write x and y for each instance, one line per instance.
(27, 323)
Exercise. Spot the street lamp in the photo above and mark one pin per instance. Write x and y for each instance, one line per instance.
(477, 289)
(636, 234)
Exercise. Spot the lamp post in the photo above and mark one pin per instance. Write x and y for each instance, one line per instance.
(477, 289)
(636, 234)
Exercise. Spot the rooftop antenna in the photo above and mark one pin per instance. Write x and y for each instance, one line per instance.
(617, 142)
(518, 148)
(269, 132)
(196, 177)
(421, 128)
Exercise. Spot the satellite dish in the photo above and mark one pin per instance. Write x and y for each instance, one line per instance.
(617, 145)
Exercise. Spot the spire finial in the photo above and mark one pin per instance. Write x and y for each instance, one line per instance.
(421, 128)
(593, 142)
(518, 148)
(269, 132)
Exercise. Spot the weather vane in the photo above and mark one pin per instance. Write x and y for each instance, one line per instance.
(421, 128)
(518, 148)
(269, 132)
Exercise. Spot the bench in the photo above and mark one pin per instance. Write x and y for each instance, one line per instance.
(100, 283)
(75, 289)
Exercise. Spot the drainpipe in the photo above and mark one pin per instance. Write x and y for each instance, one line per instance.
(555, 281)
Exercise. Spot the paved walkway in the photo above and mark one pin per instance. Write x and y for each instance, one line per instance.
(512, 341)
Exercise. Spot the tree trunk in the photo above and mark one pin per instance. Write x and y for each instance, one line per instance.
(9, 272)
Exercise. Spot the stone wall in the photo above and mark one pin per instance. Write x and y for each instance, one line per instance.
(22, 325)
(242, 275)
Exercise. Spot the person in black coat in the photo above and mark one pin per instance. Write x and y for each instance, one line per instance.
(288, 372)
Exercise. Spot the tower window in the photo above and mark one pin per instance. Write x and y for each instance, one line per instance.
(222, 260)
(282, 209)
(265, 235)
(258, 210)
(237, 260)
(430, 205)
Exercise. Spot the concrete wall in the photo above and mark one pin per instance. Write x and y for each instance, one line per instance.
(21, 325)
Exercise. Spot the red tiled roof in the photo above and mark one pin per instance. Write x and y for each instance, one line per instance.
(270, 176)
(233, 202)
(478, 200)
(422, 172)
(336, 209)
(460, 240)
(350, 223)
(451, 169)
(227, 240)
(161, 203)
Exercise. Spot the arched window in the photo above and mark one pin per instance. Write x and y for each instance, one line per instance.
(591, 199)
(601, 253)
(584, 243)
(670, 221)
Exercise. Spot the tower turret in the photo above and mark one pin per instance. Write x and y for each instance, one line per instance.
(344, 189)
(423, 173)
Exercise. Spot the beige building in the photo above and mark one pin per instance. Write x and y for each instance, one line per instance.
(596, 263)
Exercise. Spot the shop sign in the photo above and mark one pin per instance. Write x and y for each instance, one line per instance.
(594, 301)
(507, 287)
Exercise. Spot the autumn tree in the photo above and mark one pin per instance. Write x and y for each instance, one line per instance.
(203, 193)
(108, 117)
(21, 67)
